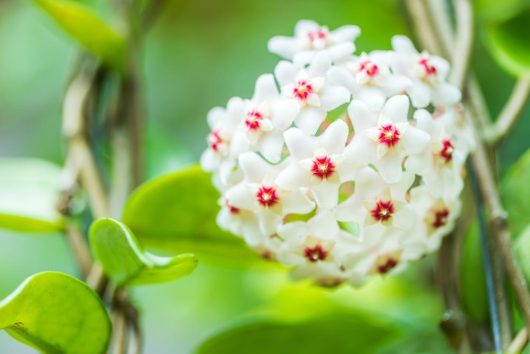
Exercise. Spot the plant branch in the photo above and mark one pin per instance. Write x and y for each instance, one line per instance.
(519, 342)
(464, 41)
(510, 113)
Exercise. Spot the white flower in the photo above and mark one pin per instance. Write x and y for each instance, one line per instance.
(341, 194)
(318, 163)
(310, 89)
(369, 79)
(311, 38)
(386, 138)
(427, 72)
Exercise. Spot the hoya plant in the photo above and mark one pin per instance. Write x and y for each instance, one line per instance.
(356, 201)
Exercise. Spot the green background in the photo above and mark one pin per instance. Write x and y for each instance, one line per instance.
(197, 56)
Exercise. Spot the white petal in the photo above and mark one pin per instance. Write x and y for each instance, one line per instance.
(293, 230)
(265, 89)
(300, 145)
(241, 196)
(326, 194)
(286, 72)
(333, 140)
(268, 222)
(310, 118)
(415, 140)
(420, 94)
(296, 202)
(332, 97)
(340, 76)
(304, 26)
(446, 94)
(215, 116)
(403, 44)
(397, 84)
(283, 113)
(209, 160)
(346, 33)
(397, 108)
(373, 97)
(320, 65)
(323, 225)
(341, 50)
(283, 46)
(360, 116)
(271, 147)
(293, 177)
(253, 166)
(389, 166)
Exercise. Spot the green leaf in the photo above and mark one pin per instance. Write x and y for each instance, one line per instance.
(337, 334)
(508, 42)
(515, 191)
(124, 260)
(522, 251)
(57, 314)
(88, 29)
(28, 194)
(177, 212)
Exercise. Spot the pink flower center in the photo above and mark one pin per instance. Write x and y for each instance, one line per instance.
(253, 120)
(440, 218)
(386, 265)
(267, 196)
(215, 140)
(446, 153)
(389, 135)
(371, 69)
(232, 209)
(316, 35)
(315, 254)
(428, 68)
(382, 211)
(322, 167)
(302, 90)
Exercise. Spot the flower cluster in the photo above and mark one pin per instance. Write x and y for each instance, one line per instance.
(342, 166)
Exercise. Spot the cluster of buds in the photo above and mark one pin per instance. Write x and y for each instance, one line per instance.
(341, 166)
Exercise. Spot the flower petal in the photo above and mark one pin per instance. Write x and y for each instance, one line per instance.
(265, 89)
(332, 97)
(300, 145)
(310, 118)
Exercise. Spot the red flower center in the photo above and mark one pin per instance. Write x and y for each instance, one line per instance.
(441, 217)
(315, 254)
(302, 90)
(428, 68)
(387, 265)
(267, 196)
(371, 69)
(389, 135)
(253, 120)
(315, 35)
(232, 209)
(322, 167)
(382, 211)
(215, 140)
(446, 153)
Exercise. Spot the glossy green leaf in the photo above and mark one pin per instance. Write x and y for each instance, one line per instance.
(522, 251)
(57, 314)
(177, 213)
(515, 188)
(508, 42)
(124, 260)
(28, 195)
(337, 334)
(88, 29)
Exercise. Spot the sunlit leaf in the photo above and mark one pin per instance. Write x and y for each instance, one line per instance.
(177, 212)
(515, 190)
(88, 29)
(508, 42)
(28, 195)
(57, 314)
(124, 260)
(337, 334)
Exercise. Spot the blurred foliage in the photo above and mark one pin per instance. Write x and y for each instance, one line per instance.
(200, 54)
(125, 261)
(29, 195)
(515, 191)
(56, 313)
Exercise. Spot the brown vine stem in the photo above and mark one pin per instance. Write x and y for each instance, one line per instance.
(519, 342)
(511, 112)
